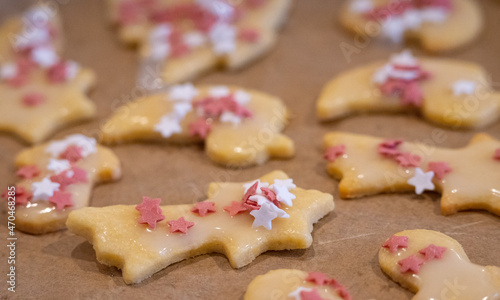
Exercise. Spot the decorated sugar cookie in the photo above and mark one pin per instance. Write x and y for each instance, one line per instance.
(437, 24)
(191, 37)
(468, 178)
(288, 284)
(40, 91)
(239, 220)
(435, 266)
(239, 127)
(57, 178)
(447, 92)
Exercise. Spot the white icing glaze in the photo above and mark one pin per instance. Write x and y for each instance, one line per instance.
(453, 277)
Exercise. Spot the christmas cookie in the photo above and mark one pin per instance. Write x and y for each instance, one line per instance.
(437, 24)
(447, 92)
(239, 220)
(40, 91)
(57, 178)
(435, 266)
(191, 37)
(240, 127)
(467, 178)
(288, 284)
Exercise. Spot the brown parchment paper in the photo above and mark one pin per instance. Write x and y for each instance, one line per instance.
(63, 266)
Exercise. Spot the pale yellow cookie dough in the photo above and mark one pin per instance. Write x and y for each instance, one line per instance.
(253, 141)
(451, 277)
(120, 241)
(354, 91)
(472, 184)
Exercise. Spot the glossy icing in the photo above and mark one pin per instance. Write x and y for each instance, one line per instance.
(473, 182)
(119, 240)
(355, 91)
(451, 277)
(40, 216)
(433, 36)
(253, 141)
(278, 284)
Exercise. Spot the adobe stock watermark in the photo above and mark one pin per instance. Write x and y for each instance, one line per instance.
(11, 238)
(42, 12)
(364, 35)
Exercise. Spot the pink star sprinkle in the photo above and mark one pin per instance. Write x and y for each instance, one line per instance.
(432, 252)
(235, 208)
(72, 153)
(200, 128)
(389, 148)
(395, 242)
(249, 35)
(252, 205)
(22, 196)
(150, 212)
(412, 95)
(61, 200)
(407, 160)
(333, 152)
(411, 264)
(317, 278)
(33, 99)
(203, 208)
(79, 175)
(180, 225)
(310, 295)
(271, 196)
(28, 172)
(440, 169)
(497, 154)
(58, 73)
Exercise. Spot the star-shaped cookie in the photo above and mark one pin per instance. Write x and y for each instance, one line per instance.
(448, 92)
(437, 24)
(40, 91)
(240, 127)
(191, 37)
(472, 180)
(435, 266)
(60, 185)
(119, 240)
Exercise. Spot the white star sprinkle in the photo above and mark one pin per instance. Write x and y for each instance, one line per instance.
(168, 125)
(160, 32)
(242, 97)
(282, 189)
(229, 117)
(463, 87)
(44, 189)
(361, 6)
(72, 69)
(260, 185)
(87, 144)
(422, 181)
(296, 294)
(194, 39)
(219, 91)
(58, 165)
(45, 57)
(183, 92)
(223, 38)
(8, 71)
(181, 109)
(264, 216)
